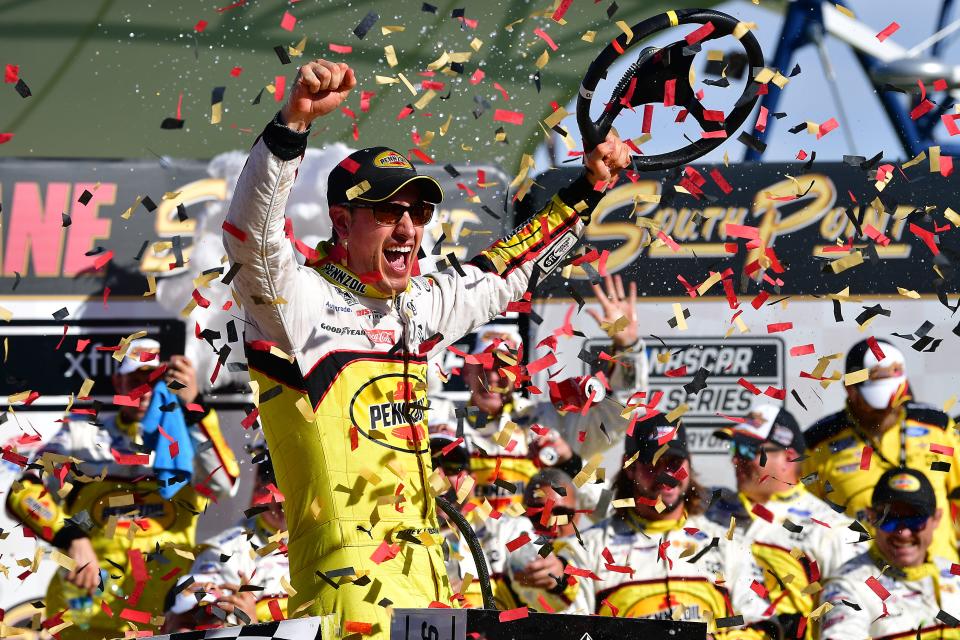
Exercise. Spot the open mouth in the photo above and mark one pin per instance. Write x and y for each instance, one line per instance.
(397, 259)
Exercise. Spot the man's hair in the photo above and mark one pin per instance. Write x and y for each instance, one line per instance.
(549, 476)
(693, 499)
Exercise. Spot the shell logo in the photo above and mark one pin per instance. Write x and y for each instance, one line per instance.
(904, 482)
(391, 160)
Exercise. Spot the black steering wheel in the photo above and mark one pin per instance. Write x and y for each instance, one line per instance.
(653, 68)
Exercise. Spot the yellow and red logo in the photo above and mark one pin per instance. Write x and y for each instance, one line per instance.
(904, 482)
(391, 160)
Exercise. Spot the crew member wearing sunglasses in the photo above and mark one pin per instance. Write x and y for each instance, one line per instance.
(338, 348)
(658, 556)
(774, 511)
(897, 588)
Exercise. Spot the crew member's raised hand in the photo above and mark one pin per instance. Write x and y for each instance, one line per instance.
(615, 305)
(607, 159)
(319, 88)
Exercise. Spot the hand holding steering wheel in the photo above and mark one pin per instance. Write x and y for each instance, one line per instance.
(646, 80)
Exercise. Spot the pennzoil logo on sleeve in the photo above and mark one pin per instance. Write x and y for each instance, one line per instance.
(391, 160)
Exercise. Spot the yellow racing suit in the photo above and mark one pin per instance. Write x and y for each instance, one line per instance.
(798, 521)
(680, 569)
(88, 478)
(924, 439)
(341, 373)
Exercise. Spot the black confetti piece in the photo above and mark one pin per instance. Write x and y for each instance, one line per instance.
(231, 274)
(730, 621)
(257, 99)
(85, 197)
(149, 204)
(458, 13)
(947, 619)
(449, 168)
(713, 545)
(576, 296)
(428, 8)
(282, 54)
(455, 263)
(216, 96)
(143, 247)
(791, 526)
(796, 396)
(699, 382)
(254, 511)
(940, 465)
(673, 321)
(368, 21)
(60, 314)
(536, 81)
(23, 89)
(852, 605)
(753, 142)
(171, 123)
(182, 213)
(795, 72)
(612, 9)
(271, 393)
(67, 220)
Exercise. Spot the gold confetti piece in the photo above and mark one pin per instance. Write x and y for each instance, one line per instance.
(778, 79)
(424, 100)
(588, 36)
(476, 43)
(526, 163)
(847, 262)
(543, 59)
(660, 507)
(460, 56)
(588, 470)
(129, 212)
(18, 397)
(427, 539)
(624, 503)
(677, 412)
(856, 377)
(948, 405)
(812, 589)
(388, 29)
(391, 55)
(764, 76)
(297, 51)
(678, 314)
(556, 117)
(123, 500)
(406, 82)
(679, 612)
(920, 158)
(626, 29)
(63, 560)
(503, 436)
(358, 190)
(952, 216)
(466, 488)
(733, 526)
(845, 10)
(615, 327)
(510, 26)
(446, 125)
(662, 450)
(386, 80)
(170, 195)
(909, 293)
(397, 468)
(440, 62)
(819, 611)
(369, 476)
(631, 460)
(708, 283)
(934, 159)
(303, 405)
(216, 113)
(151, 286)
(5, 314)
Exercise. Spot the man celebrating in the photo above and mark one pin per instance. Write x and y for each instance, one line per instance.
(338, 350)
(881, 428)
(776, 514)
(896, 589)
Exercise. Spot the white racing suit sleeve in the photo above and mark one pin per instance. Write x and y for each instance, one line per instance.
(844, 622)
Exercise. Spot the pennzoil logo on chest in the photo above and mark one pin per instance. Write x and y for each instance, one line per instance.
(390, 410)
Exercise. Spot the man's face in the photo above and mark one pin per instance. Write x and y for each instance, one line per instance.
(749, 471)
(562, 505)
(651, 481)
(372, 247)
(884, 383)
(489, 390)
(125, 384)
(903, 537)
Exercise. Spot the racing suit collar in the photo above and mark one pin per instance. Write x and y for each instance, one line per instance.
(333, 271)
(910, 574)
(654, 526)
(787, 495)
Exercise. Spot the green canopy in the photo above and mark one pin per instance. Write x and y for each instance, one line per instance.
(104, 74)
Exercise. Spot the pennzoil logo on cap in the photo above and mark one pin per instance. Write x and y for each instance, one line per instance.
(904, 482)
(391, 160)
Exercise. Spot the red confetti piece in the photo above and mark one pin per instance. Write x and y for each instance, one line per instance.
(679, 372)
(941, 449)
(669, 92)
(802, 350)
(700, 33)
(921, 109)
(477, 76)
(561, 10)
(759, 589)
(950, 122)
(762, 120)
(721, 181)
(875, 348)
(510, 117)
(351, 626)
(946, 166)
(5, 137)
(762, 512)
(275, 611)
(130, 458)
(340, 48)
(877, 588)
(200, 26)
(350, 165)
(238, 3)
(777, 327)
(546, 38)
(888, 31)
(746, 384)
(866, 454)
(955, 569)
(503, 92)
(385, 552)
(280, 82)
(236, 71)
(540, 364)
(141, 617)
(775, 393)
(11, 74)
(518, 542)
(423, 157)
(288, 22)
(514, 614)
(827, 127)
(647, 118)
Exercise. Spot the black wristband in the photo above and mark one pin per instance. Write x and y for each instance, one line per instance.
(572, 466)
(67, 534)
(194, 417)
(284, 142)
(581, 190)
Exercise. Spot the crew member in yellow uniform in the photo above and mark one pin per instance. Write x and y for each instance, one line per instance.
(882, 428)
(775, 513)
(100, 500)
(338, 351)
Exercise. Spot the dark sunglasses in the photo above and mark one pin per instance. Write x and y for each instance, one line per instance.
(892, 524)
(389, 214)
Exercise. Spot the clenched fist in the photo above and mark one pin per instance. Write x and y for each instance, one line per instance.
(320, 87)
(607, 159)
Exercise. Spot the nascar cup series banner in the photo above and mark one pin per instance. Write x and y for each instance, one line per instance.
(816, 295)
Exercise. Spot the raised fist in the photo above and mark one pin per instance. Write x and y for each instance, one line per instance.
(320, 87)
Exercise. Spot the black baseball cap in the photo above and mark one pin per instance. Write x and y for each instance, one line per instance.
(646, 437)
(385, 170)
(906, 486)
(766, 423)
